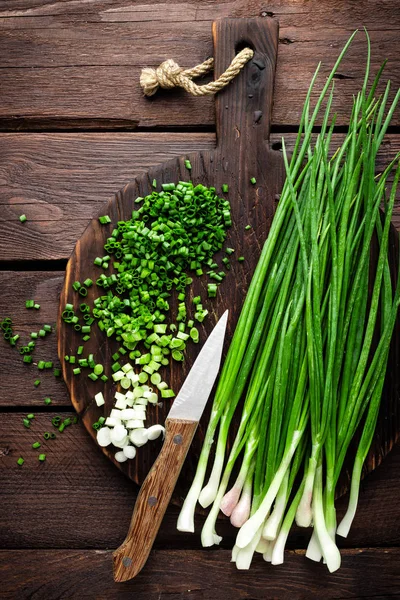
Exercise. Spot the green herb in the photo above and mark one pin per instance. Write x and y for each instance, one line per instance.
(309, 353)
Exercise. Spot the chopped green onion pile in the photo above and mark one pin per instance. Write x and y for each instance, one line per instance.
(309, 353)
(173, 235)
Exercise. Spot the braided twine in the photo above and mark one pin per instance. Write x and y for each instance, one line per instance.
(169, 75)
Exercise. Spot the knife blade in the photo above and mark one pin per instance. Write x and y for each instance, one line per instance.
(193, 395)
(180, 427)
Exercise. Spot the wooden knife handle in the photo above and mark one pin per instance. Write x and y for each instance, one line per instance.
(153, 499)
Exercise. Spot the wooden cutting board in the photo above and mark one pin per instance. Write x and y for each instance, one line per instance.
(243, 119)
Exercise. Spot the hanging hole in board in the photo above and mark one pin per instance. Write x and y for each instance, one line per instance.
(242, 45)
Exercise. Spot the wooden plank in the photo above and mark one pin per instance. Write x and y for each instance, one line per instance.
(81, 61)
(60, 181)
(78, 499)
(198, 575)
(17, 387)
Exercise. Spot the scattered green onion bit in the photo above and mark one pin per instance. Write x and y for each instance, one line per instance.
(20, 461)
(22, 218)
(36, 445)
(42, 457)
(253, 180)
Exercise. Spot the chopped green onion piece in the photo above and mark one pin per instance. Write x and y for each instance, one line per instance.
(42, 457)
(30, 303)
(167, 393)
(27, 358)
(253, 180)
(241, 258)
(26, 423)
(79, 350)
(22, 218)
(20, 461)
(98, 369)
(76, 371)
(188, 164)
(30, 416)
(47, 401)
(36, 382)
(104, 378)
(36, 445)
(105, 220)
(37, 306)
(248, 227)
(225, 188)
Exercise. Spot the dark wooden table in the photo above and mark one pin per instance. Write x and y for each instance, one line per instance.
(74, 129)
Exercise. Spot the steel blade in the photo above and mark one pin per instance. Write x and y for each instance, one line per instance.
(192, 398)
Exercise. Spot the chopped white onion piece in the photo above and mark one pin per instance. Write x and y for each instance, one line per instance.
(138, 391)
(99, 398)
(119, 396)
(130, 424)
(124, 442)
(121, 404)
(129, 402)
(115, 413)
(120, 457)
(129, 451)
(138, 436)
(155, 431)
(140, 412)
(118, 375)
(128, 413)
(125, 383)
(104, 437)
(118, 433)
(141, 401)
(137, 423)
(112, 422)
(153, 398)
(129, 395)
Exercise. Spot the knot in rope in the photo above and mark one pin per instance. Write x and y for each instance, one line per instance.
(169, 75)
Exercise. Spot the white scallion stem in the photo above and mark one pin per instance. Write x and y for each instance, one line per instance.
(262, 546)
(345, 524)
(330, 551)
(267, 556)
(280, 542)
(186, 516)
(314, 551)
(271, 527)
(250, 528)
(304, 512)
(209, 492)
(245, 555)
(241, 512)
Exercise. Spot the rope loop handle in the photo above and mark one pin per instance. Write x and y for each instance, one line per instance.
(169, 75)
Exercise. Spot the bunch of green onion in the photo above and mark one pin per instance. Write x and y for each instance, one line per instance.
(310, 349)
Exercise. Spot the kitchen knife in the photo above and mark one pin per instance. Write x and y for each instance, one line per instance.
(180, 427)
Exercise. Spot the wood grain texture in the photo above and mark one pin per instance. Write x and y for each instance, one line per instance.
(153, 499)
(198, 575)
(87, 169)
(78, 63)
(242, 152)
(78, 499)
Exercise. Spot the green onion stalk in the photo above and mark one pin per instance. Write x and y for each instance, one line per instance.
(311, 346)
